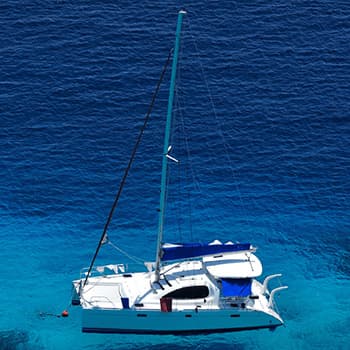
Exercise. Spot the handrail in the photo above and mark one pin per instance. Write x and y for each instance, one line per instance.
(268, 279)
(273, 292)
(101, 270)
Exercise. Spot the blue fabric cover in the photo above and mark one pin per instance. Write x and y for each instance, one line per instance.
(236, 287)
(191, 250)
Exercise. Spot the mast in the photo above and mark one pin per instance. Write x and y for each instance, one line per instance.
(166, 145)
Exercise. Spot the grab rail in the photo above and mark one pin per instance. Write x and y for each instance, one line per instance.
(104, 270)
(273, 292)
(267, 280)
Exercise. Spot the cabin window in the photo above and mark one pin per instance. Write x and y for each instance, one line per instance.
(194, 292)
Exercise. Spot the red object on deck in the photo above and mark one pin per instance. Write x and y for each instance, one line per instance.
(166, 304)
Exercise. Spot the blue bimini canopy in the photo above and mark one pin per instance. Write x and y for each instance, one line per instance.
(180, 251)
(233, 287)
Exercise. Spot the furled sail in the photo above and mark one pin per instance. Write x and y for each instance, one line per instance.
(178, 251)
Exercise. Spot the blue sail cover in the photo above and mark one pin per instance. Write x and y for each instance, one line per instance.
(191, 250)
(236, 287)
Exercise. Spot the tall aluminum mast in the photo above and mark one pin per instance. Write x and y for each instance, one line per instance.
(166, 145)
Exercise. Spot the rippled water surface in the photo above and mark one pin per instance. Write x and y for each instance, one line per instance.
(263, 103)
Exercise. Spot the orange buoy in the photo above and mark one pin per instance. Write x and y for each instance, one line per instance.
(64, 313)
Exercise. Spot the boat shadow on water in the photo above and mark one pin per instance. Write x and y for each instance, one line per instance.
(196, 343)
(13, 339)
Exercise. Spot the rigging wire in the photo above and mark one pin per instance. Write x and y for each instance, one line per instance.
(104, 237)
(298, 185)
(174, 139)
(243, 209)
(186, 170)
(131, 257)
(182, 166)
(218, 125)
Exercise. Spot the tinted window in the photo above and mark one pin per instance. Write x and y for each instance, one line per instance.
(195, 292)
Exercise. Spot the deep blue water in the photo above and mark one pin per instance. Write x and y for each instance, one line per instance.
(264, 100)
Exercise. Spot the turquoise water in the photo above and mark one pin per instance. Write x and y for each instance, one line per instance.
(264, 103)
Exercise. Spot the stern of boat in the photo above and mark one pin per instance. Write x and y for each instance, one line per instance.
(270, 304)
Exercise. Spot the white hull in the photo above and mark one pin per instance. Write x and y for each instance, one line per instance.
(133, 303)
(184, 322)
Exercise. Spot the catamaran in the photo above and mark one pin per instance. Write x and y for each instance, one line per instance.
(190, 288)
